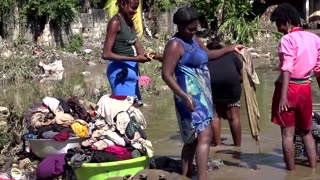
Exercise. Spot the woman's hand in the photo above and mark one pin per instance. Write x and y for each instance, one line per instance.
(237, 48)
(141, 59)
(153, 56)
(283, 105)
(189, 103)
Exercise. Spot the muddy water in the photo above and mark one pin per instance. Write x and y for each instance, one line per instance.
(163, 130)
(266, 164)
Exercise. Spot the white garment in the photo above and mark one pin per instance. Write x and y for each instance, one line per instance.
(108, 108)
(52, 103)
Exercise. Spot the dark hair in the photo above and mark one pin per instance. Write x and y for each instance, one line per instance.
(214, 45)
(184, 15)
(286, 13)
(123, 1)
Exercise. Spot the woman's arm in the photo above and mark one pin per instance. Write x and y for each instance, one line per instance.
(214, 54)
(112, 30)
(171, 57)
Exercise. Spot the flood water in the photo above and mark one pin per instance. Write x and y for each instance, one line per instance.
(163, 129)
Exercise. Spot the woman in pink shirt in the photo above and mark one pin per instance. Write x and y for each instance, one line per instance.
(299, 54)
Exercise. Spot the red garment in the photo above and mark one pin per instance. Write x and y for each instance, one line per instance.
(120, 152)
(118, 97)
(63, 136)
(296, 29)
(300, 111)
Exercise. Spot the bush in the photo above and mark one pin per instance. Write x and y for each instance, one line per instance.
(76, 43)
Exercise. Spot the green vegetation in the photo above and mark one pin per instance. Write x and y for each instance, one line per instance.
(76, 42)
(232, 18)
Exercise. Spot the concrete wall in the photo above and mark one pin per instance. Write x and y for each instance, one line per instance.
(91, 25)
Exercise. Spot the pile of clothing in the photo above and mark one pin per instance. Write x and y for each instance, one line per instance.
(55, 118)
(117, 133)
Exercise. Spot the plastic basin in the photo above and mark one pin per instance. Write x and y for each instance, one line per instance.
(102, 171)
(43, 148)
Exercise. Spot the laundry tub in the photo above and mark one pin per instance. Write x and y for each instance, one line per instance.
(102, 171)
(43, 148)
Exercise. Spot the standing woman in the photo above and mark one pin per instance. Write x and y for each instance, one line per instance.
(299, 55)
(124, 52)
(185, 71)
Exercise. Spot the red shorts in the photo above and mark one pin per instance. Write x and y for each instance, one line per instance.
(300, 111)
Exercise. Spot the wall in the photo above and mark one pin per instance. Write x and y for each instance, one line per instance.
(91, 25)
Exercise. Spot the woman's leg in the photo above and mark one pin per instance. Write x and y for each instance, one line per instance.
(310, 147)
(216, 129)
(187, 156)
(288, 146)
(202, 152)
(233, 116)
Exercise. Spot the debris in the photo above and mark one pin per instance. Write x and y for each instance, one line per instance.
(87, 51)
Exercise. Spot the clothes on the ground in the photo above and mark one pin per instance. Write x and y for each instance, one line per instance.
(225, 73)
(300, 110)
(51, 167)
(193, 77)
(299, 54)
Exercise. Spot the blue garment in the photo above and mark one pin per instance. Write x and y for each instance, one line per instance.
(193, 77)
(123, 78)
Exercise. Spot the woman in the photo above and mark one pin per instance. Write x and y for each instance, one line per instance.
(186, 57)
(299, 54)
(124, 51)
(225, 73)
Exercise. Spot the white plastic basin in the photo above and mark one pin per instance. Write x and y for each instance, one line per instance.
(43, 148)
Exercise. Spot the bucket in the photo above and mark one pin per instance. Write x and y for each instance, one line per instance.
(102, 171)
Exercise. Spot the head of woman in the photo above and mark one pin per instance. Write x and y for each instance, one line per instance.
(128, 8)
(186, 19)
(285, 16)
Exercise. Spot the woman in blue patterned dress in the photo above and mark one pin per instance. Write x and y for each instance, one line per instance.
(185, 71)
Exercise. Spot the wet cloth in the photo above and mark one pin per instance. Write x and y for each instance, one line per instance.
(51, 167)
(193, 77)
(300, 111)
(250, 80)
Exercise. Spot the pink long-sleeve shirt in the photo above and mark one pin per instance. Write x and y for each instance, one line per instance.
(299, 54)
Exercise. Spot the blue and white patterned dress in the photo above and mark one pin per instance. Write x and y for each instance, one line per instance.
(193, 77)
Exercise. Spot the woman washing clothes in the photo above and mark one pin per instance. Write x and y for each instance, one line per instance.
(124, 51)
(185, 71)
(299, 55)
(225, 73)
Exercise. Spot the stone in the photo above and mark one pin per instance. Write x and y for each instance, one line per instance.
(24, 162)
